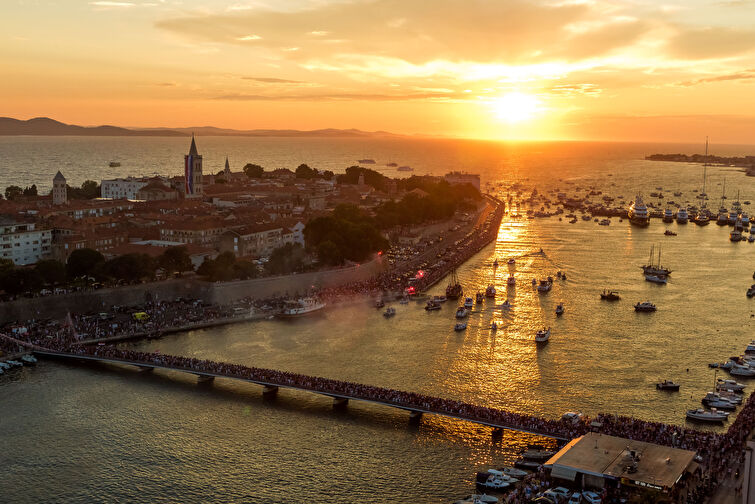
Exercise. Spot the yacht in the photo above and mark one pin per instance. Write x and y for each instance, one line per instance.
(610, 295)
(301, 307)
(729, 385)
(490, 291)
(682, 217)
(543, 335)
(668, 215)
(646, 306)
(468, 303)
(740, 370)
(713, 400)
(702, 415)
(514, 473)
(655, 269)
(659, 279)
(460, 326)
(544, 287)
(461, 312)
(750, 348)
(667, 385)
(560, 309)
(511, 281)
(638, 212)
(494, 480)
(702, 218)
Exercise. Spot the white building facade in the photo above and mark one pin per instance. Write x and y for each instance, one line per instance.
(23, 243)
(122, 188)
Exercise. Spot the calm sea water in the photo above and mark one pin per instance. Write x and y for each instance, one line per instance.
(103, 434)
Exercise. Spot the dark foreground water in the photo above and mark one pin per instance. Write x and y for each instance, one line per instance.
(110, 434)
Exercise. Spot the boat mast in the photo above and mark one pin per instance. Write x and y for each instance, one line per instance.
(705, 169)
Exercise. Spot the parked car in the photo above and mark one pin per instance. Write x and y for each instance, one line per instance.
(591, 497)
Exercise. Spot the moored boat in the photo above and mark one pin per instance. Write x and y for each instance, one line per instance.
(490, 291)
(645, 306)
(638, 212)
(711, 416)
(543, 335)
(301, 307)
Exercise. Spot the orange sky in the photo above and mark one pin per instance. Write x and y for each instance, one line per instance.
(505, 69)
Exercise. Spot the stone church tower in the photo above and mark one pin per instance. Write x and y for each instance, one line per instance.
(193, 172)
(59, 191)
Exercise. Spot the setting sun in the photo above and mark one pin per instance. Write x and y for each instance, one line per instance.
(515, 107)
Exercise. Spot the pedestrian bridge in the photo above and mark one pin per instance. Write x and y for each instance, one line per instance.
(341, 392)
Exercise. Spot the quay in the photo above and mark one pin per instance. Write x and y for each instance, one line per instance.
(416, 404)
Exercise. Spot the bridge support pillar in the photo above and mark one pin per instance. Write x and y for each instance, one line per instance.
(497, 432)
(340, 402)
(146, 369)
(205, 379)
(415, 416)
(269, 391)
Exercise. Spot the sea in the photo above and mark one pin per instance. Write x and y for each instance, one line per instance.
(97, 433)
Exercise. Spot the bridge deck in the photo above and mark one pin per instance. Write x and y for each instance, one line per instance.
(406, 407)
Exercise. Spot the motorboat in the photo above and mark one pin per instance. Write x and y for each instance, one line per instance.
(379, 303)
(479, 298)
(604, 222)
(529, 465)
(506, 305)
(638, 212)
(667, 385)
(713, 400)
(511, 281)
(573, 417)
(702, 415)
(534, 282)
(28, 359)
(560, 309)
(750, 347)
(668, 216)
(514, 473)
(461, 312)
(730, 385)
(301, 307)
(478, 499)
(751, 290)
(432, 305)
(543, 335)
(490, 291)
(730, 396)
(460, 326)
(14, 363)
(440, 299)
(389, 312)
(537, 454)
(114, 164)
(494, 480)
(659, 279)
(735, 235)
(682, 217)
(468, 302)
(668, 232)
(610, 295)
(404, 300)
(645, 306)
(544, 287)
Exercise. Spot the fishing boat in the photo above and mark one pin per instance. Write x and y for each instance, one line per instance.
(610, 295)
(638, 212)
(301, 307)
(645, 306)
(655, 269)
(667, 385)
(454, 290)
(543, 335)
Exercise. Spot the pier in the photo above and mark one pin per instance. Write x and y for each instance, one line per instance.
(340, 392)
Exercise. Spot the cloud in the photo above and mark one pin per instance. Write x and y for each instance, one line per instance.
(273, 80)
(574, 89)
(247, 38)
(103, 3)
(711, 42)
(345, 97)
(744, 75)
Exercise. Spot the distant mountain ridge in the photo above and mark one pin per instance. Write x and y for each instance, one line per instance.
(44, 126)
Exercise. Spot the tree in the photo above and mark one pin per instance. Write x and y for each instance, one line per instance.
(90, 189)
(221, 268)
(51, 271)
(6, 265)
(21, 280)
(245, 270)
(305, 172)
(253, 170)
(176, 259)
(130, 267)
(30, 191)
(84, 262)
(286, 259)
(12, 192)
(329, 253)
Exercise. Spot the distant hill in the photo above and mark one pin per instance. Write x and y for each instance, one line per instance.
(45, 126)
(50, 127)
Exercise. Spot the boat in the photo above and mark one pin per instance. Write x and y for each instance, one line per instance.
(702, 218)
(494, 326)
(454, 289)
(28, 359)
(735, 235)
(668, 232)
(379, 303)
(729, 385)
(440, 299)
(496, 482)
(114, 164)
(537, 454)
(682, 217)
(702, 415)
(751, 290)
(389, 312)
(511, 281)
(461, 312)
(638, 212)
(667, 385)
(366, 161)
(511, 262)
(506, 305)
(528, 465)
(543, 335)
(714, 400)
(559, 309)
(745, 219)
(740, 370)
(495, 263)
(655, 269)
(610, 295)
(490, 291)
(468, 303)
(646, 306)
(514, 473)
(544, 287)
(668, 216)
(460, 326)
(301, 307)
(405, 168)
(404, 300)
(750, 347)
(479, 298)
(14, 363)
(478, 499)
(659, 279)
(432, 305)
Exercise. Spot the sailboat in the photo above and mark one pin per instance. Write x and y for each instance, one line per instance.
(454, 289)
(723, 213)
(703, 216)
(655, 270)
